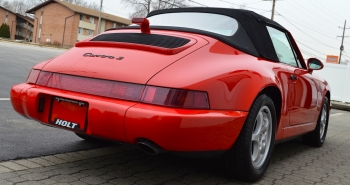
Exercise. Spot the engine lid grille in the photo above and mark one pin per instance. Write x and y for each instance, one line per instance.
(163, 41)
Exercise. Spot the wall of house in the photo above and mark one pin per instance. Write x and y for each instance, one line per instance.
(36, 26)
(338, 77)
(51, 28)
(87, 26)
(71, 30)
(11, 20)
(24, 30)
(110, 25)
(103, 25)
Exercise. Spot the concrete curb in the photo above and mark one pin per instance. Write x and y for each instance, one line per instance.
(341, 106)
(32, 44)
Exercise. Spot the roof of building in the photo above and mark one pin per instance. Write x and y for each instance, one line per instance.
(82, 10)
(26, 18)
(7, 10)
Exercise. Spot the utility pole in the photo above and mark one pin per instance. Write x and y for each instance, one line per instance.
(342, 40)
(99, 20)
(273, 8)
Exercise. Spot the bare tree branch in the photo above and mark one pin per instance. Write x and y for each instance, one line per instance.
(21, 6)
(143, 7)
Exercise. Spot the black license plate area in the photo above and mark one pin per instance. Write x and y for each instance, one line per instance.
(68, 113)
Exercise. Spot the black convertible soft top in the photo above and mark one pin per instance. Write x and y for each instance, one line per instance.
(253, 38)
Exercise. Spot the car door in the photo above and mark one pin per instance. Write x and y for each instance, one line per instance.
(302, 91)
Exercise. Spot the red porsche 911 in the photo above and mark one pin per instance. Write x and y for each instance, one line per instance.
(186, 80)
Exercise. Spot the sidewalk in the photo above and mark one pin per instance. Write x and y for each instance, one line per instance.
(340, 106)
(31, 44)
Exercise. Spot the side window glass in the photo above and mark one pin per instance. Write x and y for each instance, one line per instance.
(284, 51)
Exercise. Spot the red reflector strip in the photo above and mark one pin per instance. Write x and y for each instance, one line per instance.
(177, 98)
(44, 78)
(149, 95)
(33, 76)
(99, 87)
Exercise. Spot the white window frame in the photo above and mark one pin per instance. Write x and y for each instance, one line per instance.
(91, 32)
(92, 20)
(81, 31)
(114, 25)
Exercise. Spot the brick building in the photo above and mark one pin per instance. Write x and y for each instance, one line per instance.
(8, 17)
(24, 28)
(63, 23)
(21, 27)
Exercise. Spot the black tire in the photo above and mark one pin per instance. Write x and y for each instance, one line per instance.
(239, 160)
(318, 135)
(90, 138)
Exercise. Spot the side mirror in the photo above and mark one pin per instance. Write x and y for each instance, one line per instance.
(314, 64)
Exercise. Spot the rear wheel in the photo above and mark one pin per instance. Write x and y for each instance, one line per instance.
(318, 136)
(250, 156)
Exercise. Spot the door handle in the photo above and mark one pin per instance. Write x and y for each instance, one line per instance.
(293, 77)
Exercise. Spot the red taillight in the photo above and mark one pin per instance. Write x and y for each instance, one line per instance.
(44, 78)
(33, 76)
(175, 98)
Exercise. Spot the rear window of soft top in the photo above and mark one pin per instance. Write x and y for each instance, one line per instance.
(210, 22)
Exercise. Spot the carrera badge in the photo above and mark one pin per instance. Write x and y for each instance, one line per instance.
(102, 56)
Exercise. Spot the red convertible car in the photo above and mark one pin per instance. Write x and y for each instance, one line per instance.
(186, 80)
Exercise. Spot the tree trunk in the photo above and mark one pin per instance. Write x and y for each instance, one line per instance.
(149, 6)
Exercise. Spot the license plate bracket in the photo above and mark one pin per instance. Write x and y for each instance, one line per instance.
(68, 113)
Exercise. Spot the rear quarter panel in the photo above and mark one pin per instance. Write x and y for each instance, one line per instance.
(231, 78)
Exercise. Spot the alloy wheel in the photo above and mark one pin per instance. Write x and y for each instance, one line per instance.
(261, 137)
(323, 121)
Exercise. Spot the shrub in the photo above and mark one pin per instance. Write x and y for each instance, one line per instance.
(5, 31)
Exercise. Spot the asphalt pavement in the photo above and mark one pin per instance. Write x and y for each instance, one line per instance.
(19, 136)
(17, 59)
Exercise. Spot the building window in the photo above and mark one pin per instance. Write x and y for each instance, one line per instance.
(91, 32)
(80, 30)
(92, 20)
(81, 17)
(114, 25)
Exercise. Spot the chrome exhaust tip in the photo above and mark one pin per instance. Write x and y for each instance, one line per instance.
(149, 147)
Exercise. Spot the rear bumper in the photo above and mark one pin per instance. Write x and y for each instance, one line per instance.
(176, 130)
